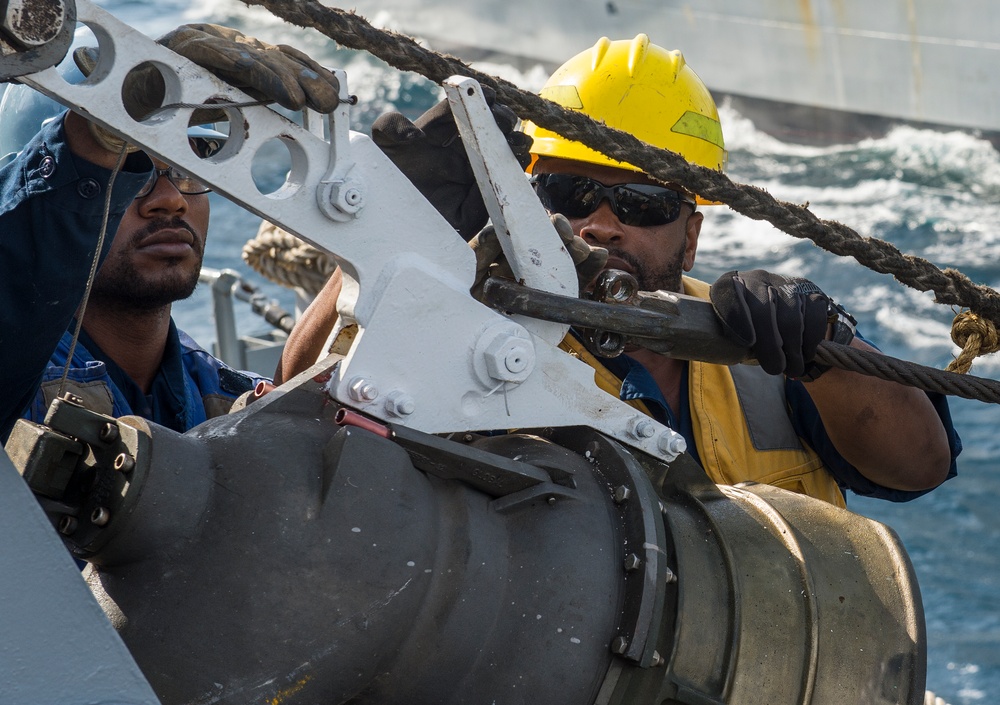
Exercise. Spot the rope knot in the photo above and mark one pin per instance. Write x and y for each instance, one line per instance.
(976, 336)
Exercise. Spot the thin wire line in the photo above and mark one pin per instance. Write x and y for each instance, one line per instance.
(93, 265)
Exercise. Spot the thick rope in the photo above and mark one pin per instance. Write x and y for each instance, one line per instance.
(284, 259)
(976, 336)
(929, 379)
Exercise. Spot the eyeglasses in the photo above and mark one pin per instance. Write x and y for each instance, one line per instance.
(642, 205)
(187, 185)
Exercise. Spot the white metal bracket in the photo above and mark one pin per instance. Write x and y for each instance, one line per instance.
(427, 354)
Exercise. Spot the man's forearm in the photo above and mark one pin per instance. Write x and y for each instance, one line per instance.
(890, 432)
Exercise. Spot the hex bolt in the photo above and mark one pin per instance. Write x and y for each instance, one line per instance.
(641, 427)
(361, 389)
(341, 199)
(124, 463)
(100, 516)
(399, 403)
(509, 358)
(109, 432)
(657, 660)
(671, 576)
(619, 645)
(671, 443)
(632, 562)
(622, 493)
(552, 501)
(67, 525)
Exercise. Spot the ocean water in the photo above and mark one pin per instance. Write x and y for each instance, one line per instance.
(936, 195)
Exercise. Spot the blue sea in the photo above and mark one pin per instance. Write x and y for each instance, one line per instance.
(932, 194)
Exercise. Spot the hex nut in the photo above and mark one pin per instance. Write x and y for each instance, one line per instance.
(619, 645)
(621, 494)
(509, 358)
(398, 403)
(361, 389)
(642, 427)
(671, 443)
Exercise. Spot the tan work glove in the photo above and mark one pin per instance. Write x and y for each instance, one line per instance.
(490, 260)
(279, 74)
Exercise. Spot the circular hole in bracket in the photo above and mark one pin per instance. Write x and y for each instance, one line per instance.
(278, 167)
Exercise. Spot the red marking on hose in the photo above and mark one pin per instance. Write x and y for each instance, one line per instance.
(346, 417)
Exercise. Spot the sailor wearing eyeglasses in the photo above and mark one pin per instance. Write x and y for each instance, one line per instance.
(130, 358)
(787, 422)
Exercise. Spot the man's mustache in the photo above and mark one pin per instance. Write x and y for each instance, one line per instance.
(176, 223)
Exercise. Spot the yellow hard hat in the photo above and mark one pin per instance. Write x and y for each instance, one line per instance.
(639, 88)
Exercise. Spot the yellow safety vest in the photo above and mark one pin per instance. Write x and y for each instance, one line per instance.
(740, 421)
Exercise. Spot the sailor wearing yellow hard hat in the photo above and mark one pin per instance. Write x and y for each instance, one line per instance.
(788, 422)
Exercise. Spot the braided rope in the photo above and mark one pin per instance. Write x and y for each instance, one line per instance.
(283, 259)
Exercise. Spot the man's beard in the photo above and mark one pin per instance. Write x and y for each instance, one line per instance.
(666, 278)
(119, 283)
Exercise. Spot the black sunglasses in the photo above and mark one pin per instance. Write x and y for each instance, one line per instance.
(187, 185)
(633, 204)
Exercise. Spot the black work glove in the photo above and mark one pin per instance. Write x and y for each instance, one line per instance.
(491, 262)
(280, 74)
(432, 156)
(781, 319)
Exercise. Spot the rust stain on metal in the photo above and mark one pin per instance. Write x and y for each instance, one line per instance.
(813, 35)
(285, 693)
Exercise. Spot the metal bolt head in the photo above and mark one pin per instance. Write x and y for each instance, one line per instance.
(109, 432)
(671, 443)
(632, 562)
(361, 389)
(642, 427)
(621, 494)
(619, 645)
(671, 576)
(345, 197)
(510, 358)
(100, 516)
(657, 660)
(399, 403)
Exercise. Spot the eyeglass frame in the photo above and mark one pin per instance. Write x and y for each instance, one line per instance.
(173, 175)
(612, 194)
